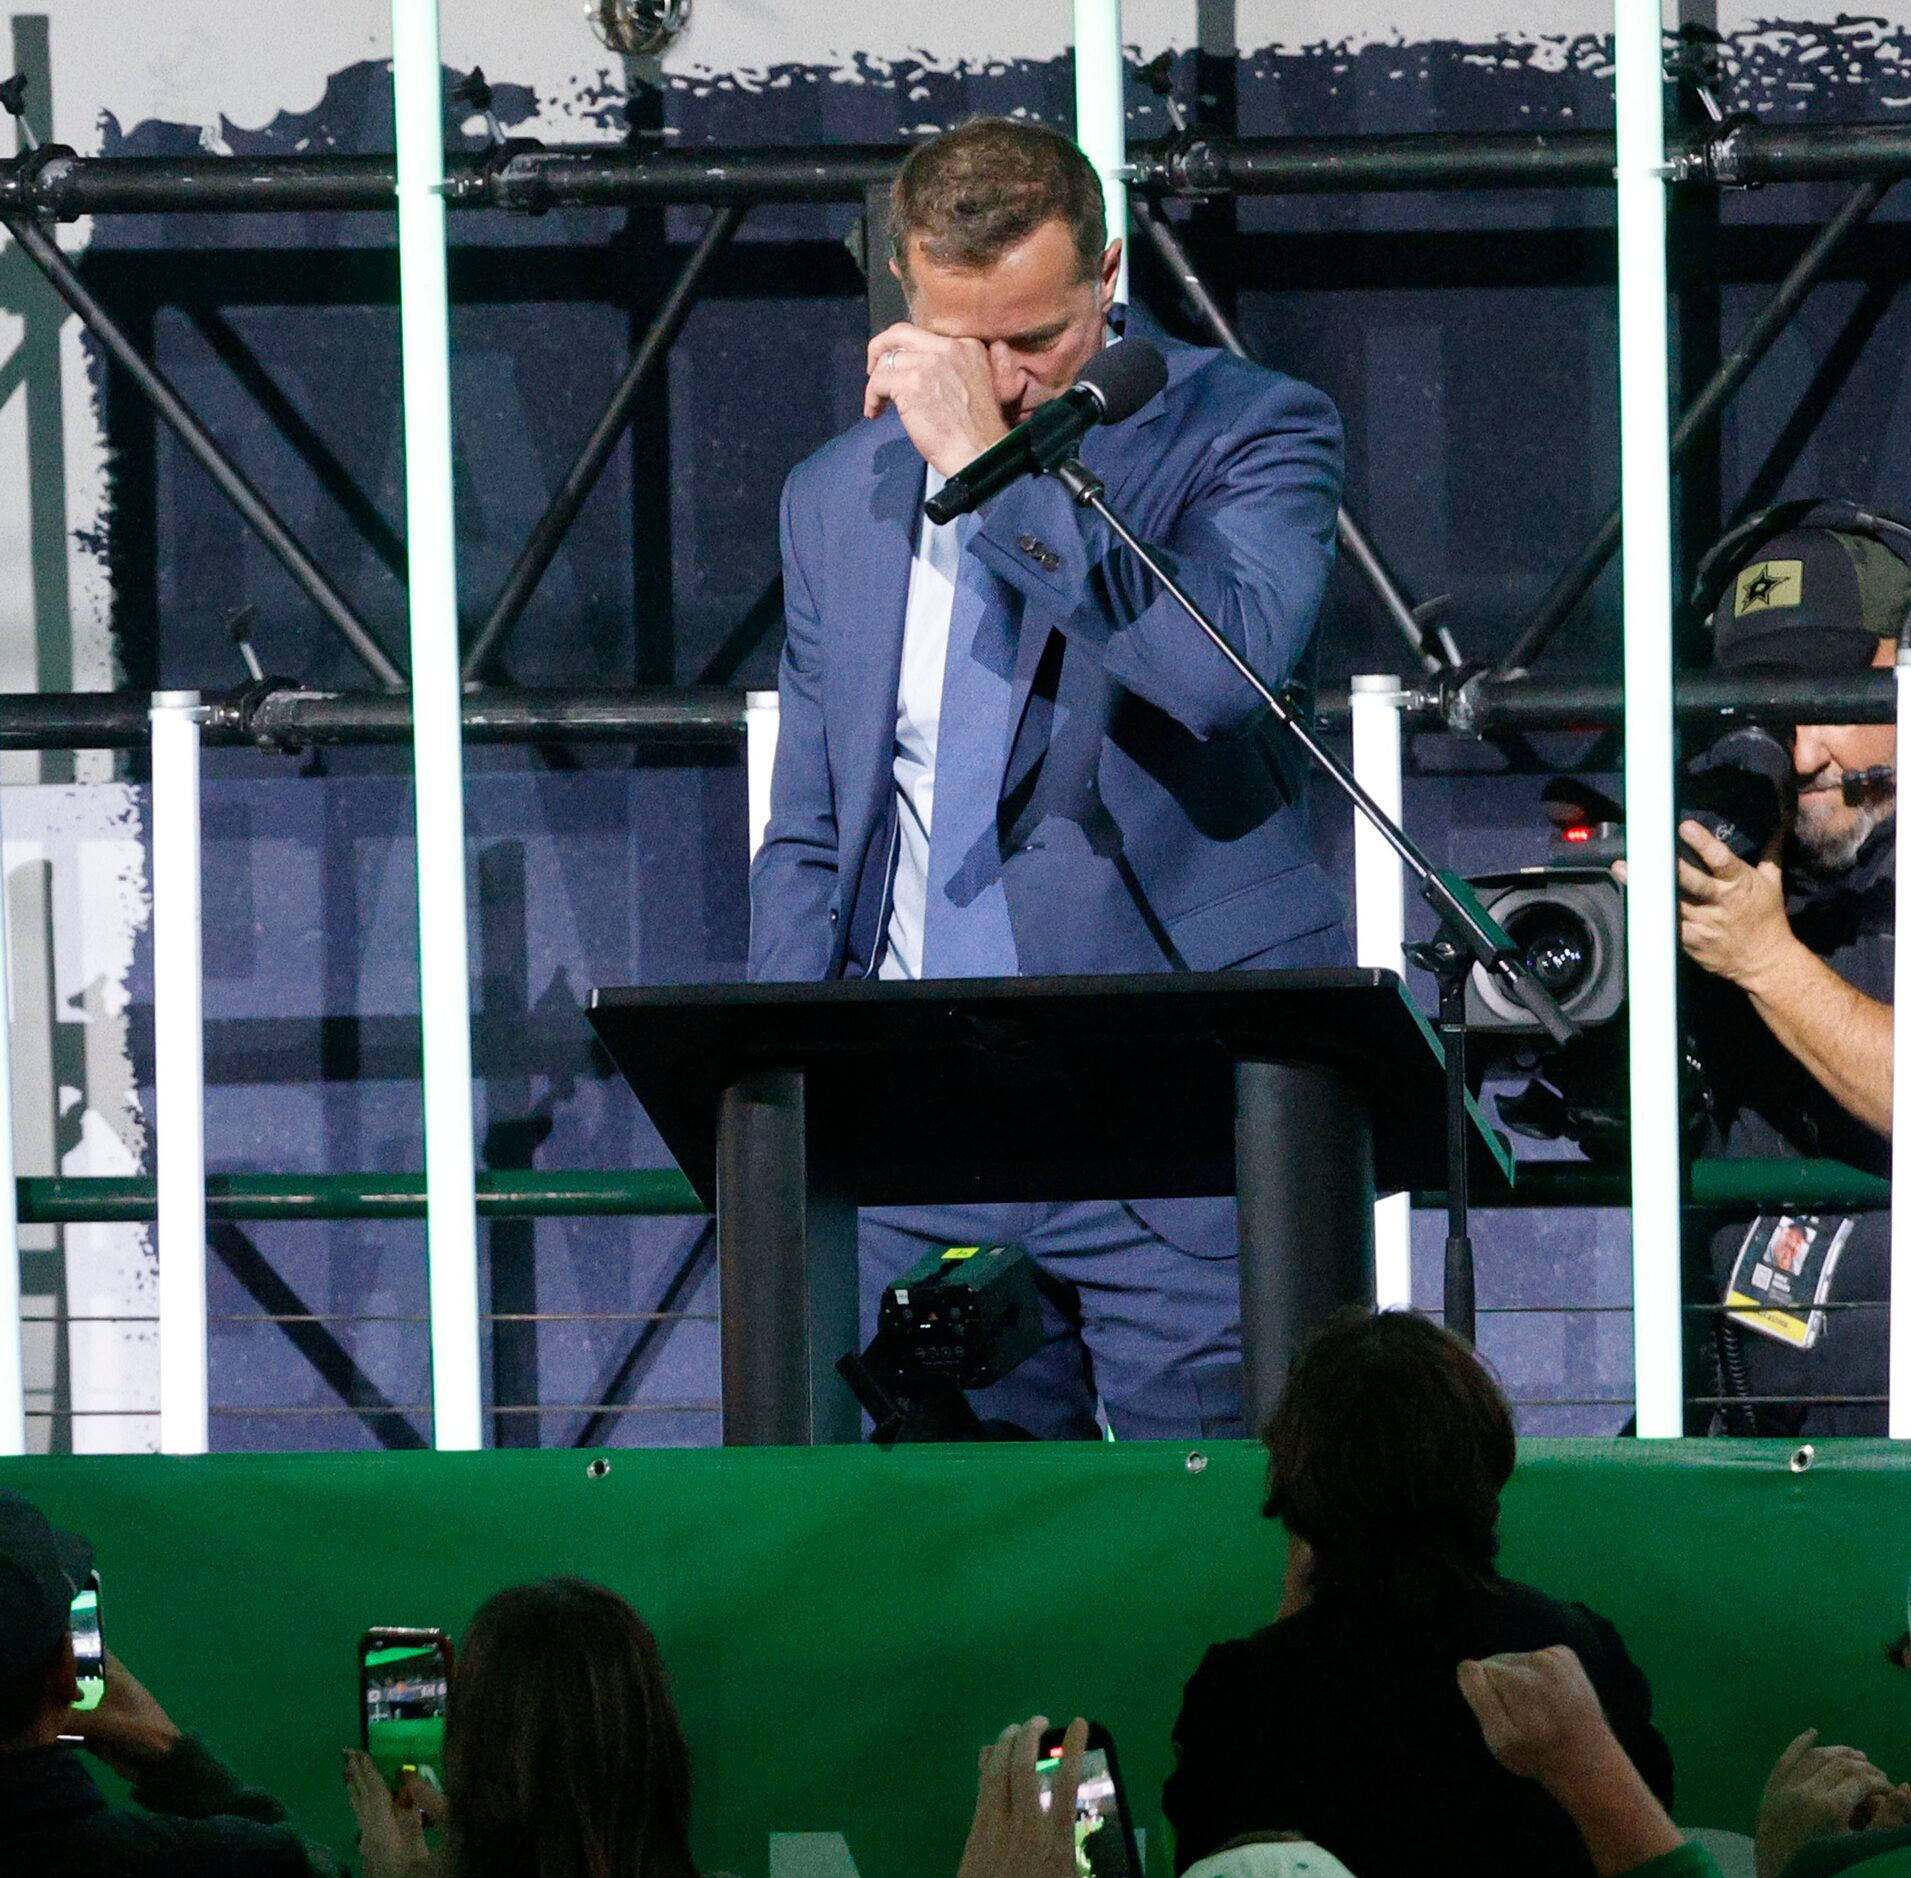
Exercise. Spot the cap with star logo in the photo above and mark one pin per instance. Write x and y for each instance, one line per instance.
(1811, 600)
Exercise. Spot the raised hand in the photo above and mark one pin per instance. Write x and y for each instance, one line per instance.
(943, 390)
(1013, 1835)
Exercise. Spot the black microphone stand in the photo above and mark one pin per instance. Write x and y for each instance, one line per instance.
(1468, 934)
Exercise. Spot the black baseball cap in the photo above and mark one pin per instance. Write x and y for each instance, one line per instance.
(41, 1572)
(1811, 600)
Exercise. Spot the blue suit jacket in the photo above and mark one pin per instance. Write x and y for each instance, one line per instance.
(1149, 814)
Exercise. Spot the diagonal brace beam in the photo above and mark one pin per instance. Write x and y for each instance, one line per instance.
(548, 536)
(1353, 538)
(313, 1341)
(158, 391)
(1576, 581)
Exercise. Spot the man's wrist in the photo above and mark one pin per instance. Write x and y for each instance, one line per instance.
(1592, 1777)
(1776, 970)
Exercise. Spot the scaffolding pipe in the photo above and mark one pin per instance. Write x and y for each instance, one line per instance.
(55, 183)
(437, 747)
(1898, 1385)
(13, 1401)
(1652, 931)
(1380, 932)
(179, 1076)
(548, 536)
(290, 720)
(238, 489)
(1576, 581)
(1101, 114)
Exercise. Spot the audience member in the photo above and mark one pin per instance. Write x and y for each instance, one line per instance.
(193, 1816)
(1343, 1720)
(564, 1757)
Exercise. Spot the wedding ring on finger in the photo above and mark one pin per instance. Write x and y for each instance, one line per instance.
(891, 356)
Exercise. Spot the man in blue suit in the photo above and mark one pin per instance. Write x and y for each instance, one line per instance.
(1004, 750)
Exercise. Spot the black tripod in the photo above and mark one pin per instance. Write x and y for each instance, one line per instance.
(1468, 935)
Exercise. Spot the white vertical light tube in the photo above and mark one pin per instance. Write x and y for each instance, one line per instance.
(1652, 931)
(451, 1219)
(1101, 112)
(1898, 1415)
(179, 1076)
(762, 719)
(13, 1382)
(1380, 931)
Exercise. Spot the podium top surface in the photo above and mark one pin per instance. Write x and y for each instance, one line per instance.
(1029, 1088)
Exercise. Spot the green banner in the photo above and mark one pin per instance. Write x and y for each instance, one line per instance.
(845, 1627)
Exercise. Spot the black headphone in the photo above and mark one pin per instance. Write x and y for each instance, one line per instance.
(1835, 515)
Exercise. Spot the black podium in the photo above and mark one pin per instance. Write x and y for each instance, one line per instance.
(789, 1105)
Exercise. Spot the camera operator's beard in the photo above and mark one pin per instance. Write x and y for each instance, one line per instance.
(1826, 851)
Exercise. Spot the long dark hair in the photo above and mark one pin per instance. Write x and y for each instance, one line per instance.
(564, 1757)
(1387, 1452)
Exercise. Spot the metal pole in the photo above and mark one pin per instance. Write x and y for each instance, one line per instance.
(762, 718)
(1380, 933)
(1652, 934)
(548, 536)
(1359, 550)
(1898, 1415)
(438, 753)
(1101, 113)
(13, 1406)
(1573, 584)
(157, 390)
(179, 1076)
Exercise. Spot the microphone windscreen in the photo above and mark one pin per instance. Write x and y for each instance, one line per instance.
(1124, 377)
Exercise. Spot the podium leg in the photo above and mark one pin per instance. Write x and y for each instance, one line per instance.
(786, 1251)
(1304, 1174)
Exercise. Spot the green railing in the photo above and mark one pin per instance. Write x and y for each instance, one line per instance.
(1817, 1186)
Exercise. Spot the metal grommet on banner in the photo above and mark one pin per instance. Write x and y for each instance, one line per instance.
(598, 1468)
(1802, 1457)
(1197, 1462)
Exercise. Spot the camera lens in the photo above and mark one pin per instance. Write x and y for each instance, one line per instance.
(1556, 943)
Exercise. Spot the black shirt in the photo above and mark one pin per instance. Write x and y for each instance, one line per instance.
(1345, 1723)
(200, 1823)
(1766, 1105)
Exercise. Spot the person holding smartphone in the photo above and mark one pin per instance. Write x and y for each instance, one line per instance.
(191, 1812)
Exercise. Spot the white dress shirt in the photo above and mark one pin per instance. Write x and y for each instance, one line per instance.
(925, 649)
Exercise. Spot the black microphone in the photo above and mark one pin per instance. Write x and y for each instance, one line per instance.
(1855, 785)
(1114, 384)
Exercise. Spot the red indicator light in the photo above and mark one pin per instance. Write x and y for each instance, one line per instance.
(1580, 832)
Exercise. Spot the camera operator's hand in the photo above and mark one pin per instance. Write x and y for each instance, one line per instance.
(1732, 917)
(1013, 1836)
(1732, 921)
(129, 1731)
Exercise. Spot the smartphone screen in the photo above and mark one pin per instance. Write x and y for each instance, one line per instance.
(404, 1677)
(89, 1644)
(1104, 1842)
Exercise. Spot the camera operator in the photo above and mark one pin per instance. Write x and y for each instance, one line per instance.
(1804, 939)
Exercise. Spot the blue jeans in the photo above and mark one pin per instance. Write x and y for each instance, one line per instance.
(1151, 1328)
